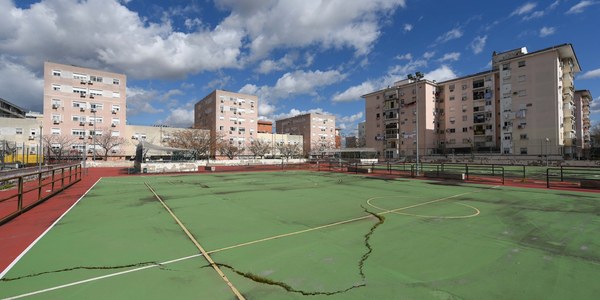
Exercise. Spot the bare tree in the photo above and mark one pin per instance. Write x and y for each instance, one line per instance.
(259, 148)
(230, 150)
(107, 142)
(319, 147)
(289, 150)
(595, 135)
(200, 141)
(58, 145)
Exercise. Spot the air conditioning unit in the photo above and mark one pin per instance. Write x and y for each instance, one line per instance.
(82, 109)
(82, 95)
(113, 125)
(83, 82)
(114, 111)
(90, 82)
(55, 106)
(31, 137)
(56, 121)
(81, 137)
(91, 123)
(81, 123)
(91, 96)
(133, 137)
(521, 126)
(113, 151)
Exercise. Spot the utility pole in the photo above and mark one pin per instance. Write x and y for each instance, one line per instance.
(41, 149)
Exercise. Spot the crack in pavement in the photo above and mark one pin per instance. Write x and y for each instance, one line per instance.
(84, 268)
(287, 287)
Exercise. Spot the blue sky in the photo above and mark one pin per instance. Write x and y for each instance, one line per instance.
(296, 56)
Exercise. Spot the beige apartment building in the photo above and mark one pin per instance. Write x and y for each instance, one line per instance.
(83, 102)
(583, 124)
(275, 140)
(392, 115)
(229, 116)
(318, 130)
(525, 105)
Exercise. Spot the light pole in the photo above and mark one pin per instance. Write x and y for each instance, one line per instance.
(547, 142)
(94, 136)
(416, 77)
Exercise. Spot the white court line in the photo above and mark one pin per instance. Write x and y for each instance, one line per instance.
(12, 264)
(239, 245)
(101, 277)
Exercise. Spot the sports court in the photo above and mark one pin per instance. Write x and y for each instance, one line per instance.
(319, 235)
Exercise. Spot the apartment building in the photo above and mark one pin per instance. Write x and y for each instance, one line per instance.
(264, 126)
(583, 124)
(83, 102)
(318, 130)
(524, 105)
(362, 139)
(392, 115)
(275, 141)
(229, 116)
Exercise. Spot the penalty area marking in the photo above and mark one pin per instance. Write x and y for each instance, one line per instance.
(236, 246)
(398, 210)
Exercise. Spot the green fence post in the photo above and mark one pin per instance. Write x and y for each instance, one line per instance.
(523, 174)
(561, 173)
(467, 171)
(20, 195)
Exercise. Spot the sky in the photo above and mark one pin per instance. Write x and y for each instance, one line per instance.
(296, 56)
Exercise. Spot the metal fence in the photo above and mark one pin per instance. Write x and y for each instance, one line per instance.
(22, 192)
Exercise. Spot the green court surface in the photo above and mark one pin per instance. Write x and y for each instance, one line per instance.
(318, 235)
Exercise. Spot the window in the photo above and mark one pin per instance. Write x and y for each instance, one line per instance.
(377, 116)
(452, 130)
(95, 92)
(522, 93)
(115, 81)
(523, 136)
(19, 130)
(464, 86)
(522, 78)
(97, 106)
(466, 141)
(465, 129)
(507, 137)
(116, 94)
(451, 98)
(78, 132)
(521, 64)
(96, 78)
(79, 104)
(56, 87)
(80, 76)
(524, 150)
(464, 118)
(79, 91)
(115, 133)
(55, 131)
(221, 128)
(451, 87)
(478, 83)
(56, 73)
(116, 108)
(505, 66)
(452, 120)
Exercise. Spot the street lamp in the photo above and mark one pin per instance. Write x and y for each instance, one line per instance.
(416, 77)
(94, 136)
(547, 142)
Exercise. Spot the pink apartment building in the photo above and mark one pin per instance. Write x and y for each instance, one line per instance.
(83, 102)
(525, 105)
(317, 129)
(229, 116)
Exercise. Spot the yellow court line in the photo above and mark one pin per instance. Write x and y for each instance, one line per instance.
(204, 253)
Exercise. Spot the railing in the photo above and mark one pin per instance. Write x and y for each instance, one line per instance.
(20, 193)
(573, 177)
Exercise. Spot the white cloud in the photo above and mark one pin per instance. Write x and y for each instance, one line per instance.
(407, 27)
(354, 93)
(440, 74)
(452, 56)
(580, 7)
(428, 55)
(590, 74)
(595, 107)
(349, 124)
(139, 101)
(283, 24)
(450, 35)
(268, 66)
(179, 117)
(535, 15)
(406, 56)
(291, 84)
(524, 9)
(546, 31)
(478, 44)
(296, 112)
(20, 86)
